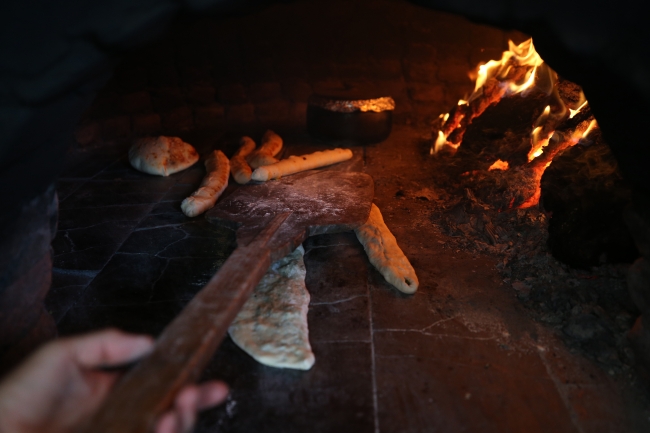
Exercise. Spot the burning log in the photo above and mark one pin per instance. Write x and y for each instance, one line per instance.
(515, 73)
(554, 130)
(525, 190)
(463, 114)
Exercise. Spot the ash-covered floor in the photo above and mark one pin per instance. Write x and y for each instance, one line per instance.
(472, 350)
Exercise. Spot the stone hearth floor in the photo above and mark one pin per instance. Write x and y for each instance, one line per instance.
(460, 355)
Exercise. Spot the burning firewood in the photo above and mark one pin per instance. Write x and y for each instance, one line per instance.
(524, 183)
(557, 127)
(515, 73)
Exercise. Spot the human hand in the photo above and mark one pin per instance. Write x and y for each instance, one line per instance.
(61, 386)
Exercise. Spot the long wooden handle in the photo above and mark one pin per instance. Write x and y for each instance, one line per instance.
(187, 343)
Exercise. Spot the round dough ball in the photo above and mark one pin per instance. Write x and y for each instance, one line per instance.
(162, 155)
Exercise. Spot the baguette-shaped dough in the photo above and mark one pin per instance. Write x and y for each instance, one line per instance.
(213, 184)
(271, 146)
(295, 164)
(384, 253)
(239, 168)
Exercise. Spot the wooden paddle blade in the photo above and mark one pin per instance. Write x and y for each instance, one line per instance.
(320, 202)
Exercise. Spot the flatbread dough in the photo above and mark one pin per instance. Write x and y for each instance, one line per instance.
(272, 325)
(212, 186)
(384, 253)
(162, 155)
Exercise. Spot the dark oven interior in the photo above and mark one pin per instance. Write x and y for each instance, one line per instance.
(533, 279)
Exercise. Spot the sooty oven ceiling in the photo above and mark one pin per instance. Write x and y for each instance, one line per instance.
(461, 354)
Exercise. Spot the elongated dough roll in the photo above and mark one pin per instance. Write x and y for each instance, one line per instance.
(384, 253)
(213, 184)
(271, 146)
(239, 168)
(295, 164)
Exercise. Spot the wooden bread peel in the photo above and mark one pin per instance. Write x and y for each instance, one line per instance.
(271, 219)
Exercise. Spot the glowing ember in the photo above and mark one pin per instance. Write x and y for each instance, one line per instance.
(499, 165)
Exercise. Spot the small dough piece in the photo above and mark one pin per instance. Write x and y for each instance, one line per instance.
(162, 155)
(213, 184)
(271, 146)
(239, 168)
(262, 159)
(295, 164)
(384, 253)
(272, 325)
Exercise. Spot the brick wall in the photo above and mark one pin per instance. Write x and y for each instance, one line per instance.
(258, 70)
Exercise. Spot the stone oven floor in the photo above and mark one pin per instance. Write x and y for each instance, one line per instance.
(462, 354)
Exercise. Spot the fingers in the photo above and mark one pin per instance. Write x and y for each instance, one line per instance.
(186, 407)
(189, 401)
(211, 394)
(107, 348)
(168, 423)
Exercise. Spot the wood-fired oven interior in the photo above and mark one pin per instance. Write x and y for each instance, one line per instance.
(526, 317)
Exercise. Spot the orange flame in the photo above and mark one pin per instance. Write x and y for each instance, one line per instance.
(561, 143)
(441, 143)
(538, 142)
(522, 55)
(591, 126)
(581, 104)
(519, 70)
(499, 165)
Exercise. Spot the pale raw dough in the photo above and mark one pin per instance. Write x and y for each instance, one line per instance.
(212, 186)
(384, 253)
(162, 155)
(271, 146)
(239, 168)
(295, 164)
(272, 325)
